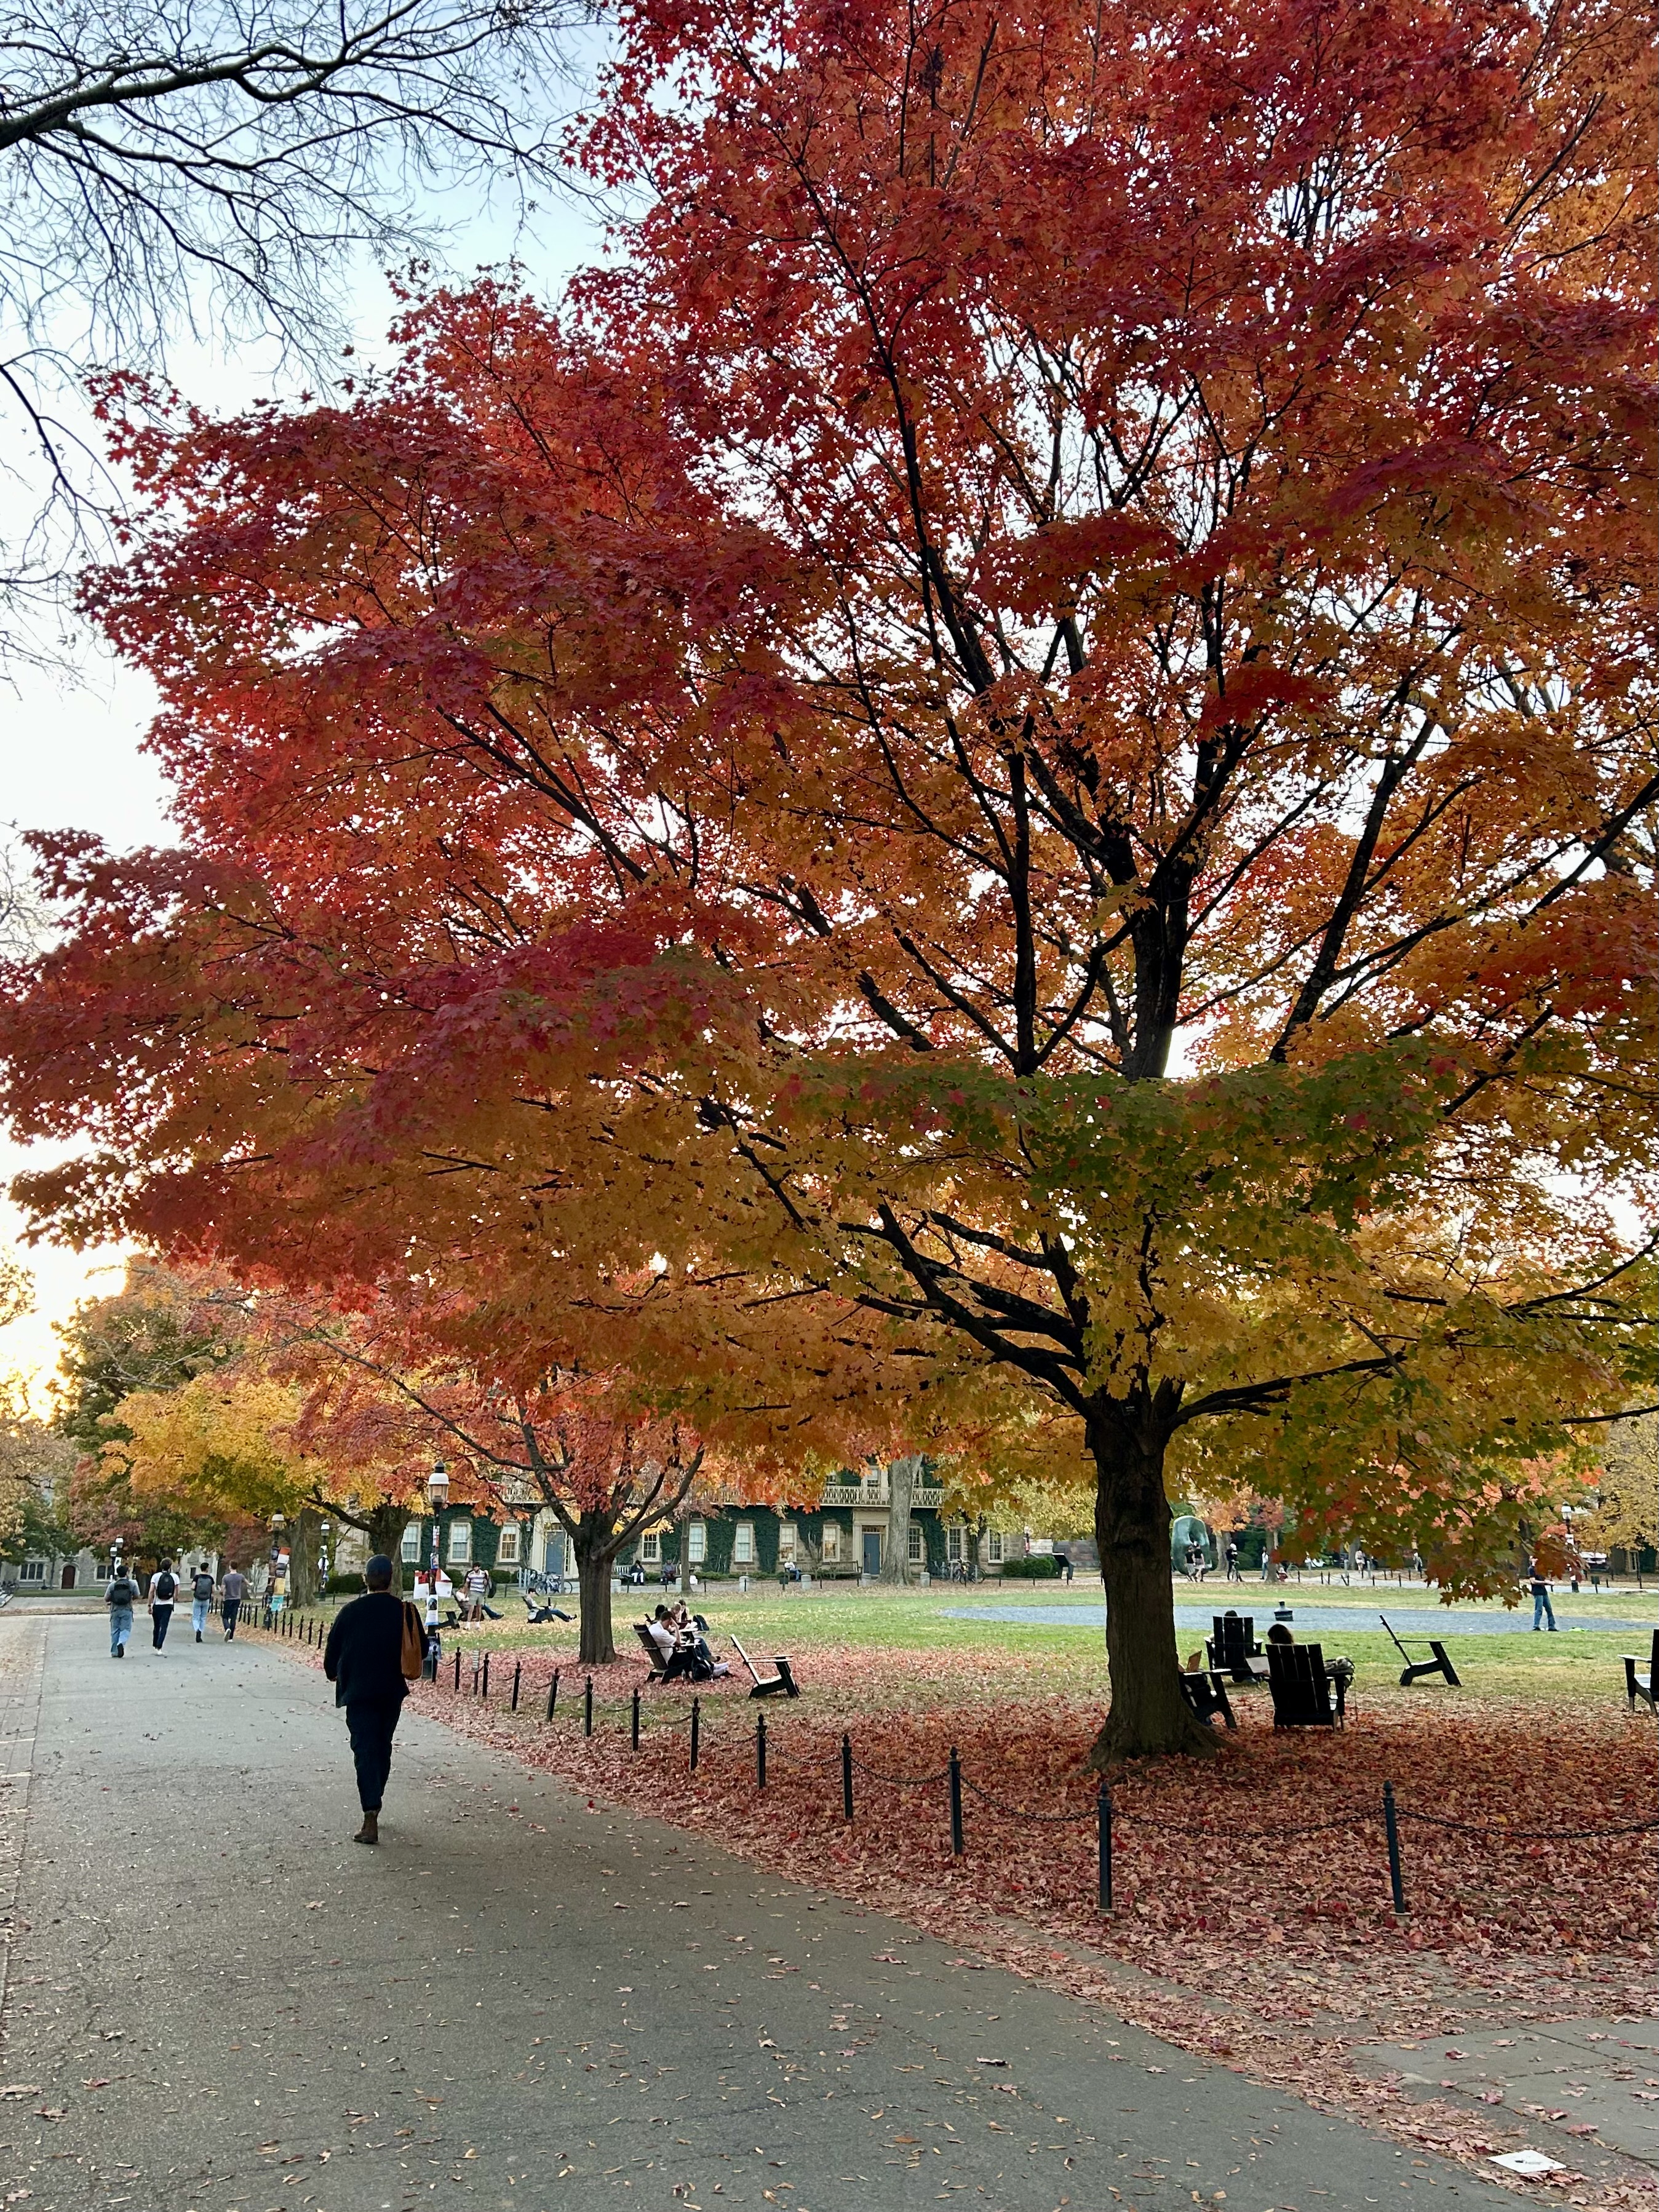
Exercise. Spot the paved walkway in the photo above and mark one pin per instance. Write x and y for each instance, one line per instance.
(218, 2003)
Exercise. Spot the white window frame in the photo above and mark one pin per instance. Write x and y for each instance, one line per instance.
(411, 1546)
(993, 1547)
(953, 1543)
(743, 1544)
(457, 1550)
(786, 1540)
(696, 1543)
(918, 1549)
(508, 1549)
(651, 1547)
(832, 1540)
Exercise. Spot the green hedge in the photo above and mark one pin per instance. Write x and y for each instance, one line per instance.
(345, 1585)
(1036, 1566)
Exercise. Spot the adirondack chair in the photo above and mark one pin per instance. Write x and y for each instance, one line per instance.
(1416, 1669)
(782, 1684)
(1206, 1693)
(1638, 1685)
(1302, 1685)
(665, 1667)
(1233, 1649)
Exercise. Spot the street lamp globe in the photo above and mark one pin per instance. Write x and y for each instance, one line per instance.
(437, 1487)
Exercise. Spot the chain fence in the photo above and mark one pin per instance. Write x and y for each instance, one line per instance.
(1106, 1814)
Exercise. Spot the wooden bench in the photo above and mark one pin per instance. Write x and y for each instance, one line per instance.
(1302, 1685)
(781, 1685)
(1416, 1669)
(1233, 1649)
(1206, 1693)
(1638, 1685)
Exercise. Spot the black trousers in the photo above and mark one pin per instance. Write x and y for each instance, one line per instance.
(227, 1613)
(160, 1616)
(371, 1728)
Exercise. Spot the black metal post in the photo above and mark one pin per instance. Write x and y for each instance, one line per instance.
(760, 1751)
(518, 1669)
(847, 1778)
(553, 1694)
(956, 1802)
(697, 1729)
(635, 1737)
(474, 1684)
(1390, 1821)
(1105, 1848)
(458, 1672)
(587, 1708)
(484, 1692)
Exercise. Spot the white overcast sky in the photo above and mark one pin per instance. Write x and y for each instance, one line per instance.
(71, 744)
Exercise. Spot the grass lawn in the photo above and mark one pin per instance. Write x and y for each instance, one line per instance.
(988, 1657)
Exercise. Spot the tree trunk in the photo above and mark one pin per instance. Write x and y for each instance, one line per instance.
(901, 1490)
(302, 1555)
(595, 1552)
(1149, 1714)
(386, 1524)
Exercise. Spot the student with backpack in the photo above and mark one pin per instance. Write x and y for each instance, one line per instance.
(120, 1598)
(163, 1590)
(201, 1599)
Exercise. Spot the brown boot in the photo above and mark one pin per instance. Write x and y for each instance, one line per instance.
(370, 1830)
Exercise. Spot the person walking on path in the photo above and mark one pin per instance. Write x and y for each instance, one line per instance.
(120, 1598)
(364, 1658)
(232, 1590)
(201, 1599)
(163, 1590)
(1233, 1574)
(1540, 1601)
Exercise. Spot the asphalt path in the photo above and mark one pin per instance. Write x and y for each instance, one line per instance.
(218, 2002)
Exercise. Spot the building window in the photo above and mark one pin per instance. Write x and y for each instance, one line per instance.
(412, 1544)
(35, 1570)
(460, 1543)
(787, 1539)
(507, 1552)
(696, 1543)
(872, 1480)
(915, 1545)
(953, 1543)
(743, 1545)
(651, 1547)
(994, 1549)
(832, 1540)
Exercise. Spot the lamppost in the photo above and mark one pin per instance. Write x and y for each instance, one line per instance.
(274, 1592)
(322, 1557)
(437, 1492)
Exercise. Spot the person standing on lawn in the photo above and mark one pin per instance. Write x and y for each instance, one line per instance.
(120, 1598)
(163, 1590)
(232, 1590)
(201, 1598)
(365, 1659)
(1540, 1601)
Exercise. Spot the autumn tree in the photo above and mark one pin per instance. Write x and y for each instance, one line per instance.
(603, 1465)
(1025, 730)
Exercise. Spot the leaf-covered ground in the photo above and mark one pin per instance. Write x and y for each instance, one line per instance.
(1253, 1919)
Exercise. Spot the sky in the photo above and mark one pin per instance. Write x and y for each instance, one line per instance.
(72, 739)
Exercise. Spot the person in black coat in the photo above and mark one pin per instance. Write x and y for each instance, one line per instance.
(363, 1659)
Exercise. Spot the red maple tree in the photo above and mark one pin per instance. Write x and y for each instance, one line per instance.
(1014, 752)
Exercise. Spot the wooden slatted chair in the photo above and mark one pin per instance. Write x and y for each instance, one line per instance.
(1638, 1685)
(1302, 1685)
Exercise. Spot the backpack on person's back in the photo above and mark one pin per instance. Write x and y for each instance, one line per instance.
(163, 1590)
(202, 1589)
(121, 1592)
